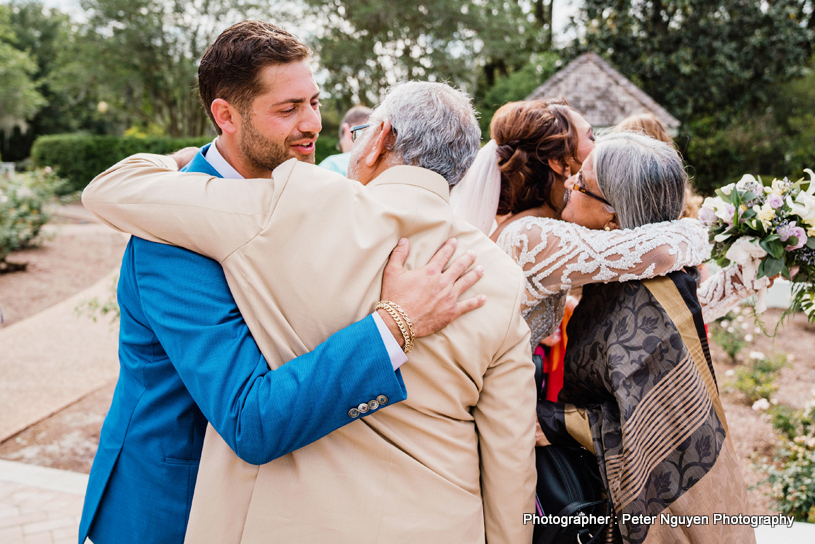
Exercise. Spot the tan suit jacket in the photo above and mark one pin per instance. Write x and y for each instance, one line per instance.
(304, 255)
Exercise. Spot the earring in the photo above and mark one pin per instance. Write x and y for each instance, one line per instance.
(608, 228)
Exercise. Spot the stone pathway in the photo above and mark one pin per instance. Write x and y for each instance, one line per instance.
(39, 505)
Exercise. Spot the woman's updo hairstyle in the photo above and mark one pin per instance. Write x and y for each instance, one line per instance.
(528, 134)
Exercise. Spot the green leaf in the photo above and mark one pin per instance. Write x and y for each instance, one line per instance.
(772, 266)
(811, 242)
(774, 248)
(736, 199)
(723, 196)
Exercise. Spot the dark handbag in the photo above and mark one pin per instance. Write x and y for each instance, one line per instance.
(569, 484)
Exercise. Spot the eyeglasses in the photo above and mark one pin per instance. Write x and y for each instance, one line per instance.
(356, 130)
(580, 186)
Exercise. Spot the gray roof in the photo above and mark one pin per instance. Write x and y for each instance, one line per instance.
(600, 93)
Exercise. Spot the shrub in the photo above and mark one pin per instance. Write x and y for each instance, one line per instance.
(756, 379)
(22, 211)
(731, 332)
(79, 158)
(792, 473)
(325, 146)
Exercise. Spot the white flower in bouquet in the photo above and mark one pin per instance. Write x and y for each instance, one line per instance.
(749, 183)
(803, 205)
(721, 209)
(765, 214)
(745, 250)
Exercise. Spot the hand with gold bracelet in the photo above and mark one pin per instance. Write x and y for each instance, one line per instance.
(427, 298)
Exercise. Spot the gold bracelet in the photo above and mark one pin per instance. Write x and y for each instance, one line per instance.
(407, 320)
(397, 317)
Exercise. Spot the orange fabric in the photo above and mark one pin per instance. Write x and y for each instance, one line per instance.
(553, 362)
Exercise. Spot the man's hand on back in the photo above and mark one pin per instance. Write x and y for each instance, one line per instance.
(183, 156)
(429, 295)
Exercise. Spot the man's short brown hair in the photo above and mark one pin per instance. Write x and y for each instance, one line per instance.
(230, 66)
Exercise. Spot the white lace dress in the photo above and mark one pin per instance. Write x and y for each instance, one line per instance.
(556, 256)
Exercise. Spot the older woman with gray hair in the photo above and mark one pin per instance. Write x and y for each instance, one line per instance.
(639, 389)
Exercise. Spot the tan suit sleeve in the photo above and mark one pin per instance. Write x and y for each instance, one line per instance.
(145, 195)
(505, 418)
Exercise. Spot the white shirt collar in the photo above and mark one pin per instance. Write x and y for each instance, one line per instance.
(219, 163)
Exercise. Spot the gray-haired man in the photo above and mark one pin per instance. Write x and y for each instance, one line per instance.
(452, 463)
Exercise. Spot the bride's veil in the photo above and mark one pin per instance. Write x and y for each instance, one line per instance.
(475, 198)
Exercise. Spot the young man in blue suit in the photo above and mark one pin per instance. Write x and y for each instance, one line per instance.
(187, 357)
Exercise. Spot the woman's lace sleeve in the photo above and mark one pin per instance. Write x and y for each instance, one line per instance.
(722, 291)
(556, 255)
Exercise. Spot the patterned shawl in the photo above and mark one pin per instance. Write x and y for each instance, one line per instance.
(640, 392)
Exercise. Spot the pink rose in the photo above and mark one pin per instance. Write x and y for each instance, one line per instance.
(774, 200)
(707, 216)
(788, 231)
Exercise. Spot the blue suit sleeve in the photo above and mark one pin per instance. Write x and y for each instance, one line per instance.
(262, 414)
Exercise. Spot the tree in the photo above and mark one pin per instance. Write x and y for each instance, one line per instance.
(139, 57)
(42, 33)
(367, 45)
(701, 57)
(19, 98)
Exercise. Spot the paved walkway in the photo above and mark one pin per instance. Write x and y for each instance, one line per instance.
(39, 505)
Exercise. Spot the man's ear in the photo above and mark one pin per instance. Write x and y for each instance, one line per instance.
(556, 166)
(226, 116)
(381, 144)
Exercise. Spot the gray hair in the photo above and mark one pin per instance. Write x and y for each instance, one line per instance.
(642, 178)
(434, 125)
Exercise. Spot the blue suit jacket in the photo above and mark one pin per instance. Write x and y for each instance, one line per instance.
(186, 358)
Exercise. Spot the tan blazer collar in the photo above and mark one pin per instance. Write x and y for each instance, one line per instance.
(416, 176)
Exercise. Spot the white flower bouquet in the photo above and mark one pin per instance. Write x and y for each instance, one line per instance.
(768, 230)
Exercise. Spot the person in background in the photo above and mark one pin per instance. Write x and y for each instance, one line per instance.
(653, 127)
(358, 115)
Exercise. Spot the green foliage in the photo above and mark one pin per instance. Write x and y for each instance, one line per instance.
(18, 93)
(43, 33)
(96, 307)
(79, 158)
(774, 141)
(325, 146)
(516, 86)
(139, 56)
(731, 332)
(701, 58)
(367, 45)
(792, 472)
(756, 379)
(22, 211)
